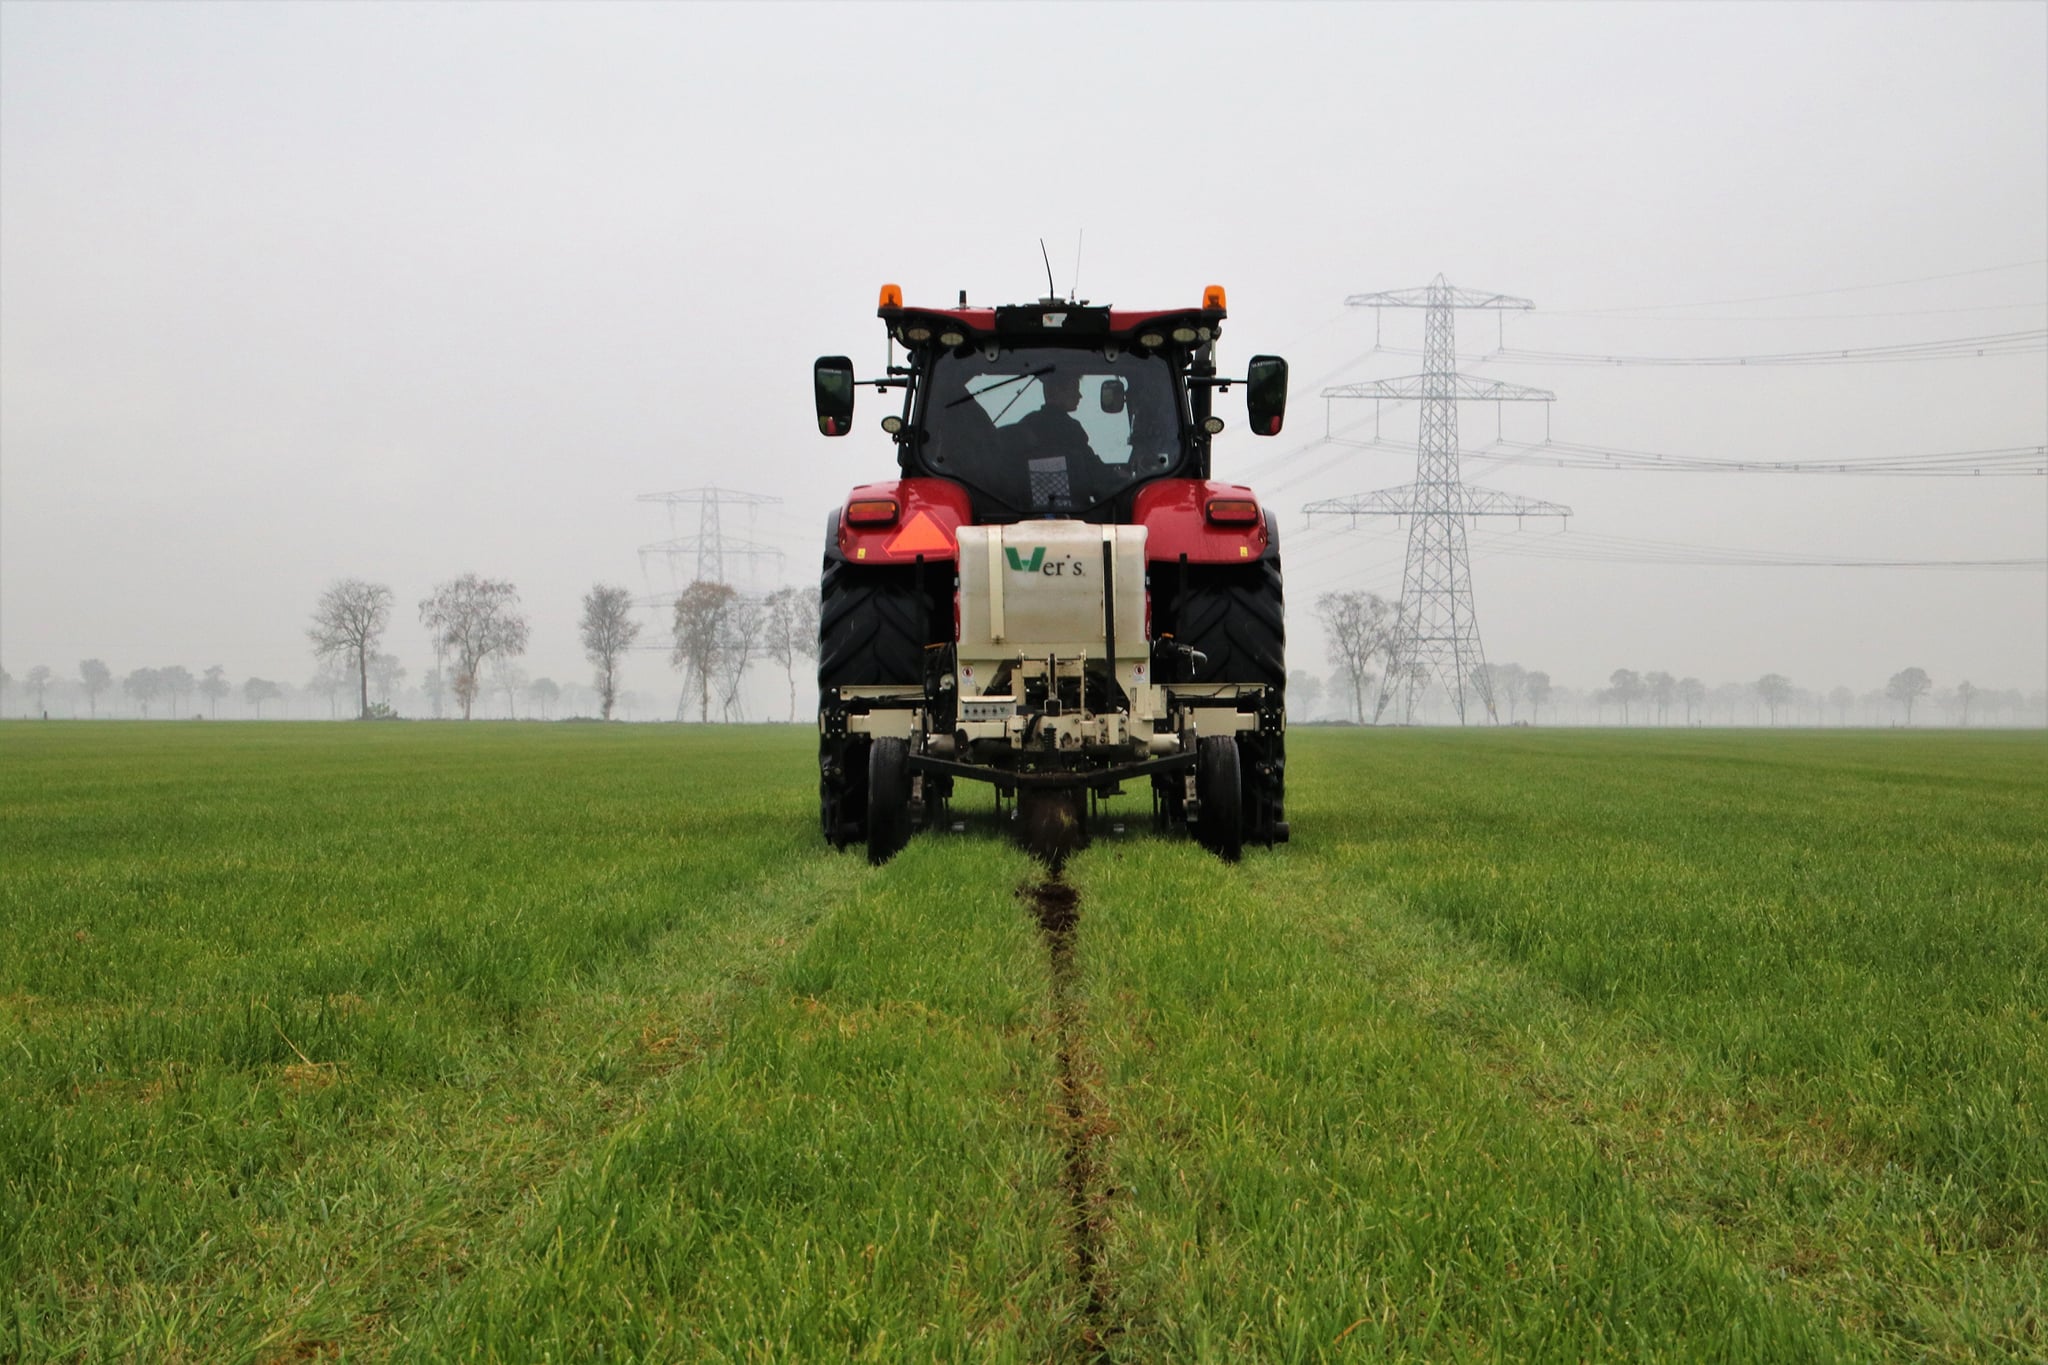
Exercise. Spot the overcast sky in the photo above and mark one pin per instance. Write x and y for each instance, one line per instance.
(293, 292)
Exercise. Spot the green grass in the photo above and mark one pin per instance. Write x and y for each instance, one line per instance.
(573, 1042)
(304, 1022)
(864, 1169)
(1728, 1044)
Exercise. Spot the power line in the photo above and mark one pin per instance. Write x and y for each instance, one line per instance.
(2033, 307)
(1593, 547)
(1948, 348)
(1995, 462)
(1812, 293)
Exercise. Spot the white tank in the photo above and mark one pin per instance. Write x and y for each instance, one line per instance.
(1037, 588)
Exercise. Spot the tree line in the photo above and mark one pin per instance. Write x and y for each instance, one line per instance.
(478, 632)
(1360, 628)
(471, 621)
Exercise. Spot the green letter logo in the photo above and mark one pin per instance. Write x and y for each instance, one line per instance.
(1020, 564)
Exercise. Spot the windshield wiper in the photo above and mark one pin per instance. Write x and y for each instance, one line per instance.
(1001, 383)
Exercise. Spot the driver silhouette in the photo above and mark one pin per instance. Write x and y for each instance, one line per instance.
(1053, 431)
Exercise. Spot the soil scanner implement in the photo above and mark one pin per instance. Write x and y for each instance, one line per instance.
(1053, 596)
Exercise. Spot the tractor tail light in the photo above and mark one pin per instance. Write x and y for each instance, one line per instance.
(871, 512)
(1233, 511)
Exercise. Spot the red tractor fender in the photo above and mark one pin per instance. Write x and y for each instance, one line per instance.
(1179, 523)
(928, 514)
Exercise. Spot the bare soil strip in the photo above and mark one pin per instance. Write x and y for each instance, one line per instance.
(1081, 1119)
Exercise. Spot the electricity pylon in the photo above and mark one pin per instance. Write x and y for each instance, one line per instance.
(1437, 632)
(710, 545)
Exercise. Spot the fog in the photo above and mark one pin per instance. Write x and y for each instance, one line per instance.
(399, 292)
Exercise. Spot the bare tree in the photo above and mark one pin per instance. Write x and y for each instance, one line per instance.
(329, 681)
(737, 645)
(38, 682)
(1693, 693)
(474, 619)
(178, 683)
(1510, 684)
(1304, 690)
(1774, 690)
(1841, 698)
(213, 687)
(792, 631)
(1538, 685)
(1358, 626)
(1907, 687)
(1625, 685)
(1663, 690)
(256, 691)
(96, 678)
(578, 698)
(509, 678)
(1966, 693)
(1729, 697)
(609, 630)
(386, 673)
(436, 681)
(145, 685)
(700, 617)
(544, 693)
(347, 622)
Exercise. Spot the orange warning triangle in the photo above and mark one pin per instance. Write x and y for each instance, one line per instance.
(920, 535)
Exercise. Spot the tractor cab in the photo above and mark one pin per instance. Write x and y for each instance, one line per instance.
(1053, 410)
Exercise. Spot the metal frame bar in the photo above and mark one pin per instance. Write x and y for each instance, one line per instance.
(1098, 779)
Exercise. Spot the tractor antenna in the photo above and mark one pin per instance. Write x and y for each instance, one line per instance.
(1074, 290)
(1052, 291)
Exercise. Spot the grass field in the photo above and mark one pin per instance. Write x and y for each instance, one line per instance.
(575, 1043)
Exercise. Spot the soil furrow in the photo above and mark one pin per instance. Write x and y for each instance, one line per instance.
(1080, 1117)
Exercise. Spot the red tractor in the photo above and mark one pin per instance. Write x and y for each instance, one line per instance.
(1052, 596)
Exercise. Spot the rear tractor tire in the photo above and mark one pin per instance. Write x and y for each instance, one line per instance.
(1235, 615)
(873, 624)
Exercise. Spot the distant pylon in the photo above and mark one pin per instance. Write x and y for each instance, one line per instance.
(711, 546)
(1437, 634)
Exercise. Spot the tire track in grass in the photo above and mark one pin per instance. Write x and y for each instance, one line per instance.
(1845, 1100)
(1324, 1176)
(1082, 1120)
(856, 1169)
(1922, 1266)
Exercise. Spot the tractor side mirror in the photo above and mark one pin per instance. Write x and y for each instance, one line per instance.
(1112, 395)
(832, 379)
(1265, 393)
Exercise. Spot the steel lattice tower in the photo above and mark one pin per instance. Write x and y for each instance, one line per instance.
(710, 545)
(1437, 632)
